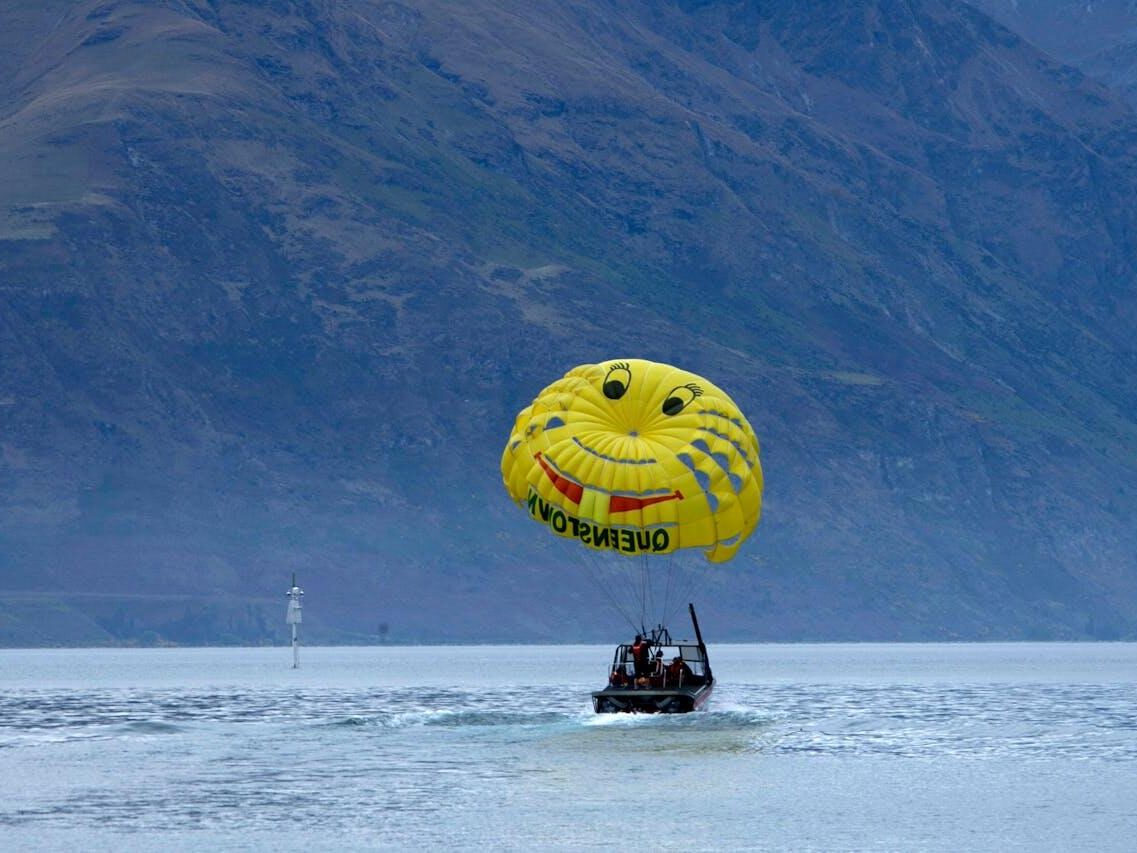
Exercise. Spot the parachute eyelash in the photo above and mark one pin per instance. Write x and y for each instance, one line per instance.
(618, 380)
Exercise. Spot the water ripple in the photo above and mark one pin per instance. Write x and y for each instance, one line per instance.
(1030, 720)
(351, 764)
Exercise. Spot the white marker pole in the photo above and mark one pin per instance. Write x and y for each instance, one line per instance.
(293, 618)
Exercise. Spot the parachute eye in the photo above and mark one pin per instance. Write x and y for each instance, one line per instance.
(617, 381)
(680, 397)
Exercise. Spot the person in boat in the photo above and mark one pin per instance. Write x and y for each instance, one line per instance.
(658, 669)
(618, 678)
(641, 656)
(678, 672)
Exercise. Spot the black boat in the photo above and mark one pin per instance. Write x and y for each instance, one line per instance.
(671, 678)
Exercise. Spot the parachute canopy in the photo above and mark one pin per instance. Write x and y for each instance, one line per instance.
(637, 457)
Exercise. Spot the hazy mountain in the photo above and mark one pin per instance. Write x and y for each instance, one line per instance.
(275, 278)
(1099, 38)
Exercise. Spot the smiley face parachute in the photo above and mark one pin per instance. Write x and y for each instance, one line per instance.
(639, 459)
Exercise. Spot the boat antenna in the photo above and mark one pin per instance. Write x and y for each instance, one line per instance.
(699, 639)
(293, 618)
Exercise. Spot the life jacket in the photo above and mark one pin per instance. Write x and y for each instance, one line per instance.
(640, 654)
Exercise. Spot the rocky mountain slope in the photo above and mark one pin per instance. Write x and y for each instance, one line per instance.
(275, 278)
(1098, 38)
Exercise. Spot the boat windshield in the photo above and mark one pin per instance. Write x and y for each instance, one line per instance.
(666, 666)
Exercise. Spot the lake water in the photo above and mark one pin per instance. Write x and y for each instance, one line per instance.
(804, 747)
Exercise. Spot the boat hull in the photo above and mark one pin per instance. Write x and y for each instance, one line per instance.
(627, 700)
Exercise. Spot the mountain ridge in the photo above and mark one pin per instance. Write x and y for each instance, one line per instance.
(278, 278)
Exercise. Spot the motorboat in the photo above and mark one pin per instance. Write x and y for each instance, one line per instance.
(658, 675)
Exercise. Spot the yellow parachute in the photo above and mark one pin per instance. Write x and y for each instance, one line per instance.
(637, 457)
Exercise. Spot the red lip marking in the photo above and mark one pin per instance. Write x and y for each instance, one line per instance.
(572, 491)
(622, 503)
(616, 503)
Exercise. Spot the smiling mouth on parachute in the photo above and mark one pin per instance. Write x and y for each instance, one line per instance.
(616, 503)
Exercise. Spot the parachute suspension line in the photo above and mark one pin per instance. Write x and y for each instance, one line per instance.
(602, 573)
(645, 591)
(670, 558)
(680, 582)
(661, 577)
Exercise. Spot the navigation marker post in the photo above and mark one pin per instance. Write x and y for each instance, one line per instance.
(293, 618)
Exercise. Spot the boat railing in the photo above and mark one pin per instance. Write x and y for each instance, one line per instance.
(622, 671)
